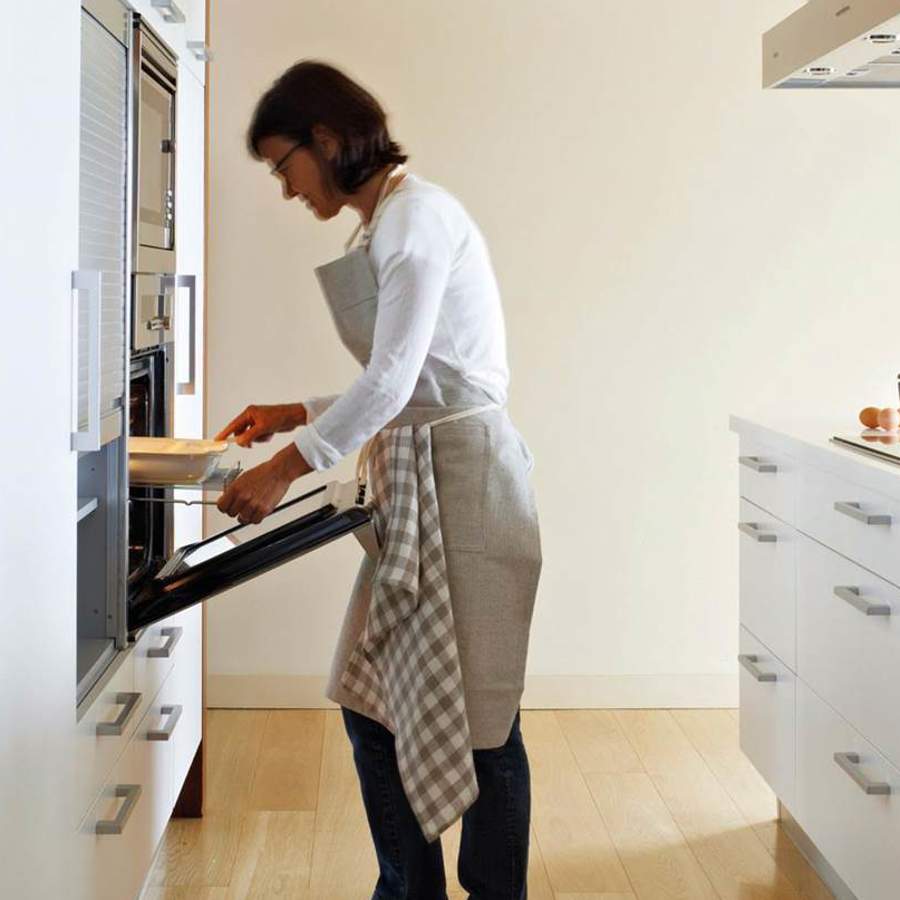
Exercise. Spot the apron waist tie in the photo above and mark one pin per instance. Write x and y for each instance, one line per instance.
(362, 460)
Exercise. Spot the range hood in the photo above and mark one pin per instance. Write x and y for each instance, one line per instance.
(835, 44)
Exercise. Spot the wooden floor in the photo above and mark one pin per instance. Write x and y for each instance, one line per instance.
(626, 805)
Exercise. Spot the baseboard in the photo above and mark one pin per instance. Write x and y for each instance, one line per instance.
(541, 692)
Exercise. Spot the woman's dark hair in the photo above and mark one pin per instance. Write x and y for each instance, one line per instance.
(313, 93)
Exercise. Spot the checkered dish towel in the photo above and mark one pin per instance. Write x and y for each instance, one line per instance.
(405, 668)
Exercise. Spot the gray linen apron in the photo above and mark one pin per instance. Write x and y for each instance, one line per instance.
(488, 527)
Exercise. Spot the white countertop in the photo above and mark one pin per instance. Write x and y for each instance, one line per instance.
(807, 438)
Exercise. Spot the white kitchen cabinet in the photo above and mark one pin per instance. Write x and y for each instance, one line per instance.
(39, 90)
(58, 775)
(767, 697)
(767, 569)
(848, 645)
(822, 627)
(851, 810)
(132, 810)
(768, 477)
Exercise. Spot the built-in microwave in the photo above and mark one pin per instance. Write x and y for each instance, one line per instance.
(155, 89)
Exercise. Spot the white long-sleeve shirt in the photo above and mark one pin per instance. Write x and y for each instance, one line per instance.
(439, 336)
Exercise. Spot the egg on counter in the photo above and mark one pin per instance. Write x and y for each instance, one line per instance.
(869, 416)
(889, 419)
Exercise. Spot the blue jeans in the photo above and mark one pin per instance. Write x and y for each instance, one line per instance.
(493, 849)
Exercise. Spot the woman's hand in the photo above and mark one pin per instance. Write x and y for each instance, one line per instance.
(255, 493)
(259, 423)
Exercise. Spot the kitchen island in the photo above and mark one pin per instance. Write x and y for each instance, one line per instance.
(819, 531)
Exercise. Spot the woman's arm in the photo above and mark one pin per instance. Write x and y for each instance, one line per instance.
(412, 251)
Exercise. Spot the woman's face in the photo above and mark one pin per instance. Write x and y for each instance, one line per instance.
(300, 176)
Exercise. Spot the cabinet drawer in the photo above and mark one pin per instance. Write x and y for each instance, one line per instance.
(103, 732)
(858, 832)
(767, 478)
(186, 682)
(857, 522)
(850, 656)
(767, 689)
(118, 862)
(767, 608)
(155, 652)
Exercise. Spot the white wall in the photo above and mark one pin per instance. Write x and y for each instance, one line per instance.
(672, 244)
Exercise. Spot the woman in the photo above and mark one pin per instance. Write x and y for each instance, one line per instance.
(430, 661)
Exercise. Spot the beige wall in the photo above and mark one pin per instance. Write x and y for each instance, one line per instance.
(672, 244)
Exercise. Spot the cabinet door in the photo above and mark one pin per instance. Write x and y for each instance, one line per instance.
(101, 221)
(767, 574)
(39, 94)
(767, 689)
(848, 642)
(847, 799)
(190, 198)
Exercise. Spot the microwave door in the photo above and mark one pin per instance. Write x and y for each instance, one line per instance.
(157, 169)
(240, 553)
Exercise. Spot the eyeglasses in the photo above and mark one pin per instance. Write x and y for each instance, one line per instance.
(279, 166)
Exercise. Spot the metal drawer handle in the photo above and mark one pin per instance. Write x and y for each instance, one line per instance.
(130, 703)
(173, 635)
(164, 733)
(761, 537)
(91, 281)
(130, 792)
(753, 462)
(853, 510)
(749, 661)
(849, 762)
(171, 283)
(852, 596)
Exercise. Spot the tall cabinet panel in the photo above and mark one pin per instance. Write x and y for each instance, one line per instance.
(101, 218)
(39, 90)
(102, 279)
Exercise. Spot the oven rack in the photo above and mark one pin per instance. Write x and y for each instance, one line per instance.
(218, 480)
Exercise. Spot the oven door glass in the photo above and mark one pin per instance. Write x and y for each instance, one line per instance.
(242, 552)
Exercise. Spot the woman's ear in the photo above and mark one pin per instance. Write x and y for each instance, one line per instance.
(327, 141)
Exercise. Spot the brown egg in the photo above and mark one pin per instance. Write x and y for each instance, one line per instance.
(889, 419)
(869, 416)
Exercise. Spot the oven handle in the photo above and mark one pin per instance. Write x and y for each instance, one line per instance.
(190, 282)
(89, 280)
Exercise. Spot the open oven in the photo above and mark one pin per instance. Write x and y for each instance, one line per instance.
(163, 580)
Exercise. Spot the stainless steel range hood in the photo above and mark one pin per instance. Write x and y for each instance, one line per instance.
(835, 44)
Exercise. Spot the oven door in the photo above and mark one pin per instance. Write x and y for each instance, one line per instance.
(231, 557)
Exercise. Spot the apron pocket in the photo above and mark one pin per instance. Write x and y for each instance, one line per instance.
(460, 454)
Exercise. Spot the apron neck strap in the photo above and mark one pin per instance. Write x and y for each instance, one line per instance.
(376, 213)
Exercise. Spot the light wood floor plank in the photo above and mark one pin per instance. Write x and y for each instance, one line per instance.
(274, 856)
(344, 865)
(715, 735)
(594, 896)
(653, 850)
(660, 744)
(190, 892)
(198, 852)
(286, 776)
(597, 741)
(235, 737)
(576, 848)
(730, 852)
